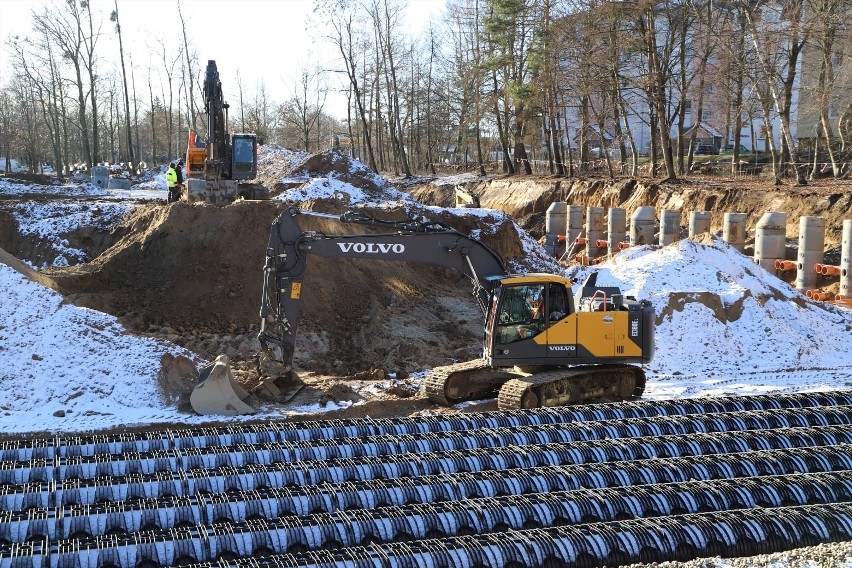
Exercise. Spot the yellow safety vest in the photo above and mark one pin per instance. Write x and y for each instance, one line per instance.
(171, 177)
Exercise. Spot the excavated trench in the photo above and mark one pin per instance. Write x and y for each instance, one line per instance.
(192, 274)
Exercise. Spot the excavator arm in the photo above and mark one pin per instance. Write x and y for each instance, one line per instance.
(290, 248)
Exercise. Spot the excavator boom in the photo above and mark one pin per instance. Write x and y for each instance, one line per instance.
(542, 347)
(289, 249)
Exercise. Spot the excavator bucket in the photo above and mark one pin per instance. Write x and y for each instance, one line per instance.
(217, 392)
(280, 383)
(279, 389)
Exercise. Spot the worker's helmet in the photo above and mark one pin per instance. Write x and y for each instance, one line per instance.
(171, 164)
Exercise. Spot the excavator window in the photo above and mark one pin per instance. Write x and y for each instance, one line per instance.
(557, 302)
(243, 151)
(521, 314)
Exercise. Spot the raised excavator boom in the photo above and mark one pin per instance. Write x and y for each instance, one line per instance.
(542, 345)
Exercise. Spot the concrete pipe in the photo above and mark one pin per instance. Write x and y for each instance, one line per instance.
(770, 242)
(576, 217)
(734, 230)
(595, 231)
(699, 222)
(846, 260)
(811, 251)
(100, 176)
(642, 226)
(555, 223)
(616, 228)
(669, 226)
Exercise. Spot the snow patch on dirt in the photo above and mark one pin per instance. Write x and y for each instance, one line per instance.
(344, 193)
(11, 188)
(51, 221)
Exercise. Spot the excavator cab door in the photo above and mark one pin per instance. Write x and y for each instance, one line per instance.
(517, 324)
(243, 156)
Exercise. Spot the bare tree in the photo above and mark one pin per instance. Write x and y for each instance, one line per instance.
(341, 16)
(304, 109)
(778, 42)
(189, 75)
(64, 29)
(114, 18)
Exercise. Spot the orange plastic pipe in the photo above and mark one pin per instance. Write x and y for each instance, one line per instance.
(581, 240)
(560, 238)
(828, 270)
(785, 265)
(819, 296)
(601, 244)
(623, 246)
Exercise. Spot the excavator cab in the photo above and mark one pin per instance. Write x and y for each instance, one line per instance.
(534, 320)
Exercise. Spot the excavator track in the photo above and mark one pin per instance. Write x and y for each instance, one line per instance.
(572, 385)
(470, 380)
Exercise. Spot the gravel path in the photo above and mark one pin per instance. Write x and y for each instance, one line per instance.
(837, 555)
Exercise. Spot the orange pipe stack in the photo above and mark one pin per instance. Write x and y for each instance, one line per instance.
(785, 265)
(818, 295)
(827, 270)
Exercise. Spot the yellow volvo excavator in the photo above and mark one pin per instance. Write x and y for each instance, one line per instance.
(543, 344)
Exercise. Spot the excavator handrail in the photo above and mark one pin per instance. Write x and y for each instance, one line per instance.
(593, 296)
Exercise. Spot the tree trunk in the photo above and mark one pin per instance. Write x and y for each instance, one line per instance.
(508, 167)
(130, 157)
(153, 123)
(191, 73)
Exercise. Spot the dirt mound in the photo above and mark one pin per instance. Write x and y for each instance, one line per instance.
(197, 269)
(281, 169)
(27, 178)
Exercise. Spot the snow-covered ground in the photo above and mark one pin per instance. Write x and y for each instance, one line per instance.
(72, 206)
(331, 188)
(726, 326)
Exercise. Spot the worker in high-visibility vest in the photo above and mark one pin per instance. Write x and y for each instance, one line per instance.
(171, 181)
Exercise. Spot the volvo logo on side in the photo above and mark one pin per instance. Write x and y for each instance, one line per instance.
(562, 347)
(372, 248)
